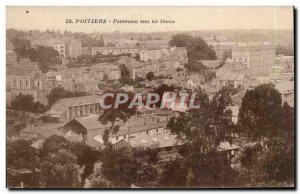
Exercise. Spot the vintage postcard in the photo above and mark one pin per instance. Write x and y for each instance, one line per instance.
(150, 97)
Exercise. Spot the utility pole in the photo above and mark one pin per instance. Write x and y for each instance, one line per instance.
(129, 135)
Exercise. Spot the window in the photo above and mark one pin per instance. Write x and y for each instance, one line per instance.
(20, 83)
(246, 59)
(26, 83)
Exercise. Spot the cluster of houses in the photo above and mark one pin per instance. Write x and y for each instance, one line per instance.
(250, 64)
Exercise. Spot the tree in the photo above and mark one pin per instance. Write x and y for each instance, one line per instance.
(137, 44)
(44, 56)
(179, 69)
(125, 74)
(137, 57)
(197, 48)
(124, 167)
(60, 170)
(287, 124)
(260, 112)
(150, 76)
(277, 162)
(53, 144)
(268, 167)
(174, 175)
(197, 67)
(20, 154)
(86, 157)
(25, 102)
(22, 157)
(119, 167)
(161, 89)
(200, 131)
(101, 41)
(105, 77)
(111, 115)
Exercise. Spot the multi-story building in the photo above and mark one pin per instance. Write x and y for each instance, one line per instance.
(175, 53)
(221, 48)
(69, 108)
(114, 50)
(151, 54)
(86, 51)
(286, 89)
(257, 56)
(60, 47)
(286, 63)
(234, 80)
(26, 78)
(74, 48)
(106, 72)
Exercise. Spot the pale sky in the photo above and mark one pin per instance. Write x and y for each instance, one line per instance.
(186, 18)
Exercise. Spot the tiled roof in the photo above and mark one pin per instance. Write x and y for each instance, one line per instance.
(55, 111)
(76, 101)
(139, 128)
(45, 130)
(93, 143)
(156, 141)
(91, 122)
(233, 77)
(22, 70)
(38, 144)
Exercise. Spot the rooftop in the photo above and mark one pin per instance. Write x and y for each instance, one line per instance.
(22, 69)
(76, 101)
(156, 141)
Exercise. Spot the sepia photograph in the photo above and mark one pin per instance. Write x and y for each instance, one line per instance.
(150, 97)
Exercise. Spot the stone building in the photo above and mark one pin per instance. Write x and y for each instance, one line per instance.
(258, 57)
(26, 78)
(222, 47)
(69, 108)
(60, 47)
(74, 48)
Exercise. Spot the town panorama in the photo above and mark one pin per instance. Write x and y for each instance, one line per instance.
(241, 135)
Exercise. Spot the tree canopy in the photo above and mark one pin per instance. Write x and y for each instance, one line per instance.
(60, 170)
(150, 76)
(197, 48)
(25, 102)
(260, 112)
(200, 132)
